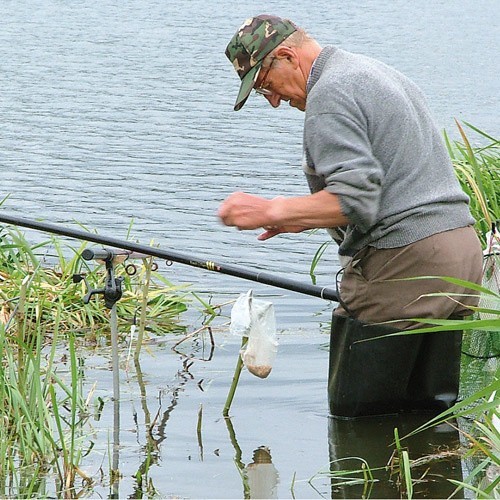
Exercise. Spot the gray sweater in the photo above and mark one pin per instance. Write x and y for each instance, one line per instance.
(370, 139)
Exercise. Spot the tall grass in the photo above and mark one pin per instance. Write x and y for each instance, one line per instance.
(476, 159)
(478, 170)
(477, 164)
(482, 410)
(37, 437)
(50, 266)
(44, 430)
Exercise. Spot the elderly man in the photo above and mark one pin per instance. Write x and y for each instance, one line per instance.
(383, 185)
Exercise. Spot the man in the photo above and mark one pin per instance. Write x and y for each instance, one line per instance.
(382, 183)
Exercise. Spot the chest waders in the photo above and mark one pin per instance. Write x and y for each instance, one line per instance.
(403, 373)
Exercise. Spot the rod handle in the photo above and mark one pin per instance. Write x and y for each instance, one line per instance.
(110, 254)
(102, 254)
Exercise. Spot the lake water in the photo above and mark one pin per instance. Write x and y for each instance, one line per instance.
(113, 112)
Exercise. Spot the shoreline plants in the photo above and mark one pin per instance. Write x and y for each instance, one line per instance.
(45, 431)
(478, 410)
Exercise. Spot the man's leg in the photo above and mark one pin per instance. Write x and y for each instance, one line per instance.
(375, 285)
(410, 372)
(434, 382)
(368, 375)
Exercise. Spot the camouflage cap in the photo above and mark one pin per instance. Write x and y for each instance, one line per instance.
(256, 38)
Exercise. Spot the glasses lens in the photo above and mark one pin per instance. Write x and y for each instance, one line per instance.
(262, 89)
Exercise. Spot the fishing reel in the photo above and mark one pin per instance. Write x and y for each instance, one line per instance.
(112, 290)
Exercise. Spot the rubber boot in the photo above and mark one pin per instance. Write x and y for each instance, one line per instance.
(393, 374)
(434, 382)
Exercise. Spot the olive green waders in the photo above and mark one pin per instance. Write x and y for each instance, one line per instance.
(416, 372)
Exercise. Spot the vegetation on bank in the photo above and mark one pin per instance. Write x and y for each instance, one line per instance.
(44, 431)
(478, 410)
(49, 272)
(478, 170)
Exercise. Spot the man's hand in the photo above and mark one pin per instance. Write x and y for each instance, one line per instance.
(282, 215)
(273, 231)
(247, 211)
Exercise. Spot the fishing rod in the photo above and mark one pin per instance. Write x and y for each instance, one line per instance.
(231, 270)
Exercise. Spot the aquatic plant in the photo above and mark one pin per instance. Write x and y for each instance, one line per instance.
(50, 267)
(478, 171)
(43, 415)
(344, 472)
(482, 411)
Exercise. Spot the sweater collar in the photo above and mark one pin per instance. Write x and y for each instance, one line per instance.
(318, 65)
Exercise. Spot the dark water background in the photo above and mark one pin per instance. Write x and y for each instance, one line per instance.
(112, 112)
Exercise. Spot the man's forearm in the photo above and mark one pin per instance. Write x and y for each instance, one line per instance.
(318, 210)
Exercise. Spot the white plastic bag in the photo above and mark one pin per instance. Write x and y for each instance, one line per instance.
(254, 318)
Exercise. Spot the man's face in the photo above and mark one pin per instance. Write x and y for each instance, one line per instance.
(283, 80)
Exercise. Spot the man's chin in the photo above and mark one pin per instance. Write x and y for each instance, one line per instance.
(301, 106)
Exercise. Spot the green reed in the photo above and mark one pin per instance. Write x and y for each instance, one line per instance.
(44, 431)
(55, 264)
(404, 466)
(34, 403)
(478, 170)
(482, 409)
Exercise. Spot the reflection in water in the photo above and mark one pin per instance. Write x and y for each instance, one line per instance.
(155, 423)
(115, 473)
(144, 485)
(260, 477)
(237, 457)
(372, 439)
(143, 482)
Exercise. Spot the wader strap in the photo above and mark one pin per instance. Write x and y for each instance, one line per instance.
(338, 288)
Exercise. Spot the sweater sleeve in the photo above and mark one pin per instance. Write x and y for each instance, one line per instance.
(341, 154)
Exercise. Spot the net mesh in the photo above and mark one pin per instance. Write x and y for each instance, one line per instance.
(481, 348)
(491, 281)
(486, 344)
(481, 357)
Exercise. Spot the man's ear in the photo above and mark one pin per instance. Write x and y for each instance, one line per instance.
(289, 54)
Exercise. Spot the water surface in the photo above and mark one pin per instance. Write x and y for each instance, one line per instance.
(118, 112)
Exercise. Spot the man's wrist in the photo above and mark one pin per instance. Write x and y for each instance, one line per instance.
(277, 211)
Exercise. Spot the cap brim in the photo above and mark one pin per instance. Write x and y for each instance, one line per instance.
(247, 85)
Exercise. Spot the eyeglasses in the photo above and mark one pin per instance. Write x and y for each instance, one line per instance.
(261, 90)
